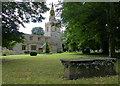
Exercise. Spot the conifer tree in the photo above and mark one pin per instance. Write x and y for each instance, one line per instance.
(47, 49)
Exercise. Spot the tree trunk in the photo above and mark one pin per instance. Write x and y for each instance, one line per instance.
(111, 43)
(105, 50)
(104, 43)
(105, 47)
(111, 30)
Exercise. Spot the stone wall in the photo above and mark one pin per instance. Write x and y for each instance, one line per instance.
(38, 41)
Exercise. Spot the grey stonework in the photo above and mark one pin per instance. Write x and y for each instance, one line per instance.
(79, 68)
(52, 36)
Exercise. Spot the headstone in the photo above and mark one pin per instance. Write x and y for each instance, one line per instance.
(78, 68)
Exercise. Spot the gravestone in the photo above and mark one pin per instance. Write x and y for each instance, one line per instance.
(78, 68)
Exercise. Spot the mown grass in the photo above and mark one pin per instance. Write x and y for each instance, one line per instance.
(46, 69)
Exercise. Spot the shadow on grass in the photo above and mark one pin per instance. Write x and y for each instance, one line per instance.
(99, 54)
(6, 60)
(90, 54)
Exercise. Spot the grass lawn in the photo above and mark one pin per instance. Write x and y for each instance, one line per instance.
(45, 69)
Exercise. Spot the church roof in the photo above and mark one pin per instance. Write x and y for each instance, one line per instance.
(42, 45)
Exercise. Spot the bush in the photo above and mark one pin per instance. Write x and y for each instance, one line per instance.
(47, 49)
(33, 53)
(26, 52)
(4, 55)
(59, 50)
(86, 51)
(5, 52)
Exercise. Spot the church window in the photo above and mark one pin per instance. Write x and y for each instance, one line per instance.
(23, 47)
(31, 38)
(33, 47)
(47, 29)
(38, 38)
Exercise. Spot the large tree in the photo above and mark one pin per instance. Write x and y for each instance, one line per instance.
(37, 31)
(93, 22)
(15, 14)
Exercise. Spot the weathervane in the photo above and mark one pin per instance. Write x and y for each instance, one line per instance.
(53, 4)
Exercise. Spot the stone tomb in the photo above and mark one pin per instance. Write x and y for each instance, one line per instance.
(78, 68)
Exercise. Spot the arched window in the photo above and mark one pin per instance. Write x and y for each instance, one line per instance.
(23, 47)
(38, 38)
(33, 47)
(47, 29)
(31, 38)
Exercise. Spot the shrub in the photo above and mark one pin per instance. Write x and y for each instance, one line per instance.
(5, 52)
(4, 55)
(33, 53)
(26, 52)
(47, 49)
(59, 50)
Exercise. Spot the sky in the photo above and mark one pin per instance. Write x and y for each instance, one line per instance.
(29, 26)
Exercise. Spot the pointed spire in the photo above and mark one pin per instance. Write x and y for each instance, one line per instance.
(52, 13)
(52, 4)
(52, 8)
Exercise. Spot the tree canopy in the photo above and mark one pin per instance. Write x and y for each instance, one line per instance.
(15, 14)
(37, 31)
(92, 25)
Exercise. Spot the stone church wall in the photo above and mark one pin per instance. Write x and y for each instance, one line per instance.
(37, 41)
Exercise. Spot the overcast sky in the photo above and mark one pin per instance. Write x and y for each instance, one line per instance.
(30, 25)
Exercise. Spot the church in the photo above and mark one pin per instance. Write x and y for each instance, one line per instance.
(35, 42)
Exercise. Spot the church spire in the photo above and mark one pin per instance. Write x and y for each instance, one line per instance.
(52, 13)
(52, 4)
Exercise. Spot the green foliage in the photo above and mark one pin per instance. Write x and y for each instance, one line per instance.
(86, 51)
(37, 31)
(52, 13)
(86, 24)
(47, 49)
(26, 52)
(70, 44)
(18, 13)
(33, 53)
(59, 50)
(5, 52)
(4, 55)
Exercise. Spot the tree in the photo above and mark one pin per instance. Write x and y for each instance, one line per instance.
(89, 23)
(47, 49)
(70, 44)
(113, 21)
(18, 13)
(37, 31)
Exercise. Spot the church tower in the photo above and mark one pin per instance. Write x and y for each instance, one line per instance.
(50, 28)
(52, 31)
